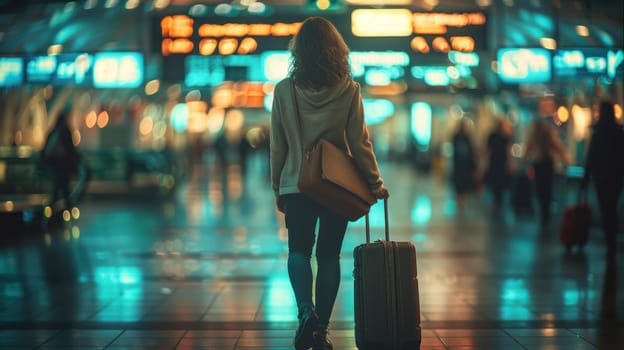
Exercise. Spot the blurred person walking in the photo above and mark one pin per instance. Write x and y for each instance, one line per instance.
(543, 149)
(464, 176)
(497, 175)
(330, 106)
(605, 166)
(61, 159)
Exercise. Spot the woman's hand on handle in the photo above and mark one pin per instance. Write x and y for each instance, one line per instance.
(280, 204)
(381, 192)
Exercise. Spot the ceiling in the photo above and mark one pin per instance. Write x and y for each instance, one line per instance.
(32, 25)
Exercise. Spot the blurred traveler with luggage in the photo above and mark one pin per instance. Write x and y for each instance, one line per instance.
(604, 164)
(464, 176)
(61, 159)
(497, 174)
(543, 149)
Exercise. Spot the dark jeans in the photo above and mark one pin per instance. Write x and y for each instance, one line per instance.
(302, 214)
(544, 176)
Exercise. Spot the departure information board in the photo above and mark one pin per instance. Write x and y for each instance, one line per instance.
(100, 69)
(183, 39)
(575, 62)
(11, 71)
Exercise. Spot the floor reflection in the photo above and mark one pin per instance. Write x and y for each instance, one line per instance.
(207, 265)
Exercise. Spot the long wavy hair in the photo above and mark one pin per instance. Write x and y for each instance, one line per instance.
(320, 56)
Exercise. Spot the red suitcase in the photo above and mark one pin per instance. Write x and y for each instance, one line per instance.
(387, 308)
(575, 225)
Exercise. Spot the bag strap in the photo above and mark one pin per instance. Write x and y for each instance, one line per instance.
(297, 115)
(385, 203)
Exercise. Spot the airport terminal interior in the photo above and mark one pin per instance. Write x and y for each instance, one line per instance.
(173, 239)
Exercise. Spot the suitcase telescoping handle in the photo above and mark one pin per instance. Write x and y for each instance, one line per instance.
(385, 204)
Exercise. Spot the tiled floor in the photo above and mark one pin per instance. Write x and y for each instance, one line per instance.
(205, 269)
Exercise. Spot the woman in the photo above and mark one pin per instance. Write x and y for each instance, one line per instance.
(544, 147)
(61, 158)
(464, 164)
(330, 105)
(497, 175)
(604, 164)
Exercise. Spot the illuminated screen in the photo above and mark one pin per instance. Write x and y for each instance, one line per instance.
(376, 111)
(432, 75)
(179, 117)
(377, 77)
(11, 71)
(275, 65)
(421, 115)
(468, 59)
(214, 70)
(118, 70)
(389, 61)
(61, 69)
(572, 63)
(381, 22)
(437, 77)
(364, 29)
(524, 65)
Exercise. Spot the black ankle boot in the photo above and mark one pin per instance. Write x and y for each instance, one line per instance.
(321, 341)
(308, 321)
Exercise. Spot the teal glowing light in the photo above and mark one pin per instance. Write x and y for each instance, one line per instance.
(376, 111)
(575, 295)
(514, 300)
(75, 70)
(464, 71)
(605, 37)
(379, 59)
(418, 72)
(388, 61)
(11, 71)
(437, 77)
(268, 102)
(357, 70)
(226, 10)
(469, 59)
(452, 73)
(450, 207)
(421, 210)
(257, 8)
(214, 70)
(118, 69)
(113, 275)
(432, 75)
(516, 39)
(514, 292)
(614, 60)
(376, 220)
(569, 59)
(524, 65)
(179, 117)
(41, 65)
(596, 64)
(377, 77)
(419, 237)
(421, 115)
(279, 297)
(543, 22)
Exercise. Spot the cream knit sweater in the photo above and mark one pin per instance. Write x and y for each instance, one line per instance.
(334, 114)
